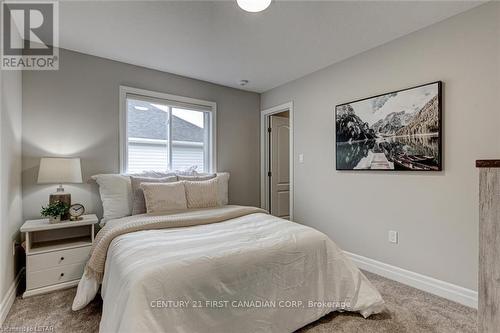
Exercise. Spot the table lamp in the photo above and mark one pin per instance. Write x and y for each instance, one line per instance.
(60, 170)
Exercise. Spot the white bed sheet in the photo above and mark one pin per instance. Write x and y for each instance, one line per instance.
(255, 273)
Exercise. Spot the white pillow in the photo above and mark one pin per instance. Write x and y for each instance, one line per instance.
(164, 197)
(197, 177)
(116, 196)
(191, 171)
(153, 174)
(201, 194)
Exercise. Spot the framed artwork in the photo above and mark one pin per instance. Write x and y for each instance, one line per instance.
(400, 130)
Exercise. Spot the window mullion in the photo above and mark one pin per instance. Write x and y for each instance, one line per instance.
(207, 143)
(169, 148)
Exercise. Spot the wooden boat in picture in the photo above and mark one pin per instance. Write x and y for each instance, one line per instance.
(415, 162)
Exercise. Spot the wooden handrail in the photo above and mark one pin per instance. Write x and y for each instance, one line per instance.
(487, 163)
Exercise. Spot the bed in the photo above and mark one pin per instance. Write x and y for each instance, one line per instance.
(223, 269)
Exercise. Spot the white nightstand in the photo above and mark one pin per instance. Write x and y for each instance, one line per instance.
(56, 254)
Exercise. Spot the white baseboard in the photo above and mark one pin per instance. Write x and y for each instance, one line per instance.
(9, 298)
(437, 287)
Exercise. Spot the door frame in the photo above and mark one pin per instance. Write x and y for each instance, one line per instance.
(264, 157)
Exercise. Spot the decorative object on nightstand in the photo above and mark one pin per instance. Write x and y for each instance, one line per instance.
(60, 170)
(56, 254)
(54, 211)
(76, 211)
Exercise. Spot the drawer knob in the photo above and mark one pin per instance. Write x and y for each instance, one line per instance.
(62, 274)
(62, 258)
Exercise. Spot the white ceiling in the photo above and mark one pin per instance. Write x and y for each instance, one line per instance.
(218, 42)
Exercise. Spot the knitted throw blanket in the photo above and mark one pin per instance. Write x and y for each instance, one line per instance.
(186, 218)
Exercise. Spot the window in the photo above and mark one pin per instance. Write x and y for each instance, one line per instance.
(164, 132)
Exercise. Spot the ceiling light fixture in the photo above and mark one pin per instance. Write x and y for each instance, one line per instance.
(253, 6)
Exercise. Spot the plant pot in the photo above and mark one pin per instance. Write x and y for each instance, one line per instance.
(55, 219)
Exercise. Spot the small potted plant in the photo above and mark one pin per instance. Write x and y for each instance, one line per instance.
(54, 211)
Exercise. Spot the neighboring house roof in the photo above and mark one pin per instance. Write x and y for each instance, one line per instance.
(152, 124)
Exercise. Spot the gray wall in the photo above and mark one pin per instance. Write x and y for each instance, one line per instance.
(436, 214)
(74, 112)
(10, 175)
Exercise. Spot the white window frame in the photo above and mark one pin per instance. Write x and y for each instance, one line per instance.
(166, 98)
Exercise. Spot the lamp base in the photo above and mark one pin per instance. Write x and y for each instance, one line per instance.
(62, 197)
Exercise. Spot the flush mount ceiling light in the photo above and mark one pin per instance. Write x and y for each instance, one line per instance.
(253, 6)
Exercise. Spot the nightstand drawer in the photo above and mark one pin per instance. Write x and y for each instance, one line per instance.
(37, 262)
(54, 275)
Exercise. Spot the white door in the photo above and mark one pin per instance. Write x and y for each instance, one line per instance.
(279, 175)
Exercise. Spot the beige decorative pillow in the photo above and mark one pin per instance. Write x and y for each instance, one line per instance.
(222, 185)
(138, 201)
(164, 197)
(222, 188)
(201, 194)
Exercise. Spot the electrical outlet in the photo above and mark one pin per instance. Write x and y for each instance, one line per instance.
(301, 158)
(393, 236)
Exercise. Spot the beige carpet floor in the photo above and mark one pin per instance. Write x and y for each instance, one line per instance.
(408, 310)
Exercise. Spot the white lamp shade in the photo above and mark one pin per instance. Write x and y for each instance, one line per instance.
(253, 6)
(56, 170)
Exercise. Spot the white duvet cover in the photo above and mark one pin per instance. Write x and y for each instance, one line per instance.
(255, 273)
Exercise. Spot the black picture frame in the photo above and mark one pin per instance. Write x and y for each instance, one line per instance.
(400, 162)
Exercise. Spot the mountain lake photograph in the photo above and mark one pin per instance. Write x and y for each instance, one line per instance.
(400, 130)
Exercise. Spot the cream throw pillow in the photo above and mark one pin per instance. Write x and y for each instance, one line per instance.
(201, 194)
(164, 197)
(138, 201)
(222, 185)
